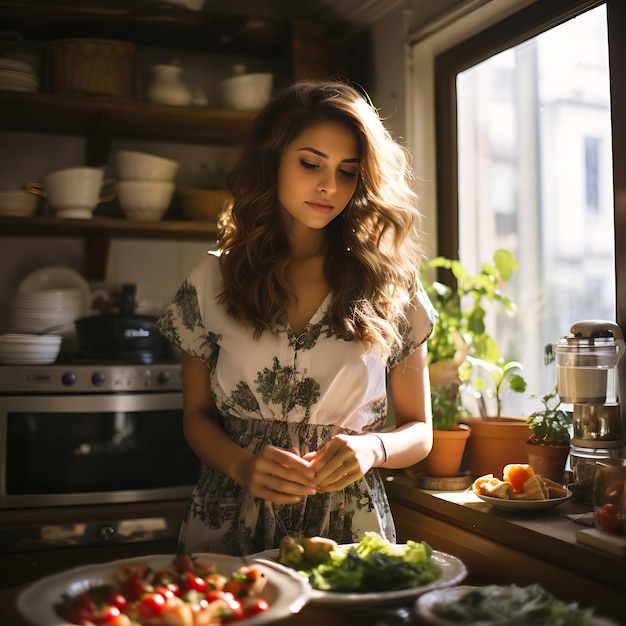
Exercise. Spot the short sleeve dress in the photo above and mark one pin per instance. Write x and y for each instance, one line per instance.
(289, 391)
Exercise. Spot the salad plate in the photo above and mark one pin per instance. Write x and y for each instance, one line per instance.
(286, 592)
(525, 505)
(426, 607)
(451, 572)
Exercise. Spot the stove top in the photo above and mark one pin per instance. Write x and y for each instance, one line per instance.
(76, 377)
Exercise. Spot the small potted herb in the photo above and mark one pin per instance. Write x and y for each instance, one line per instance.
(549, 441)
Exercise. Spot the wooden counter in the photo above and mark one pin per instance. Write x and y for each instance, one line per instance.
(496, 546)
(503, 547)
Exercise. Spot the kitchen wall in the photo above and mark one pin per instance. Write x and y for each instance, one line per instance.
(158, 267)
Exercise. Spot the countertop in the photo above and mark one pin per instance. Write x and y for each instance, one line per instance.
(496, 546)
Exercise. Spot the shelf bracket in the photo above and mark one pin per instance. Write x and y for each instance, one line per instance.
(97, 255)
(99, 141)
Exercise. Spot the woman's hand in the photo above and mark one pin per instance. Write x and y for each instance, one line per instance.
(344, 459)
(277, 475)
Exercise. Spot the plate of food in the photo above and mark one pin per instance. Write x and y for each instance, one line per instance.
(526, 505)
(520, 489)
(162, 589)
(494, 604)
(373, 571)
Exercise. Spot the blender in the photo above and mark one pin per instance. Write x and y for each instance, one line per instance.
(588, 378)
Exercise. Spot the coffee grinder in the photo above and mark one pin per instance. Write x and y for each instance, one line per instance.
(588, 378)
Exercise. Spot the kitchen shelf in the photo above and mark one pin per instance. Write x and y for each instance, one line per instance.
(306, 45)
(84, 115)
(148, 23)
(98, 232)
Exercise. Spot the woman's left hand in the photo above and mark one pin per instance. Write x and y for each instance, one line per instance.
(344, 459)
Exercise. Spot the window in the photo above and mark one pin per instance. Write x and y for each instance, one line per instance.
(525, 161)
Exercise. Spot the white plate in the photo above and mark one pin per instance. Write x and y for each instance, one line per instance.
(426, 603)
(525, 505)
(451, 572)
(57, 277)
(286, 592)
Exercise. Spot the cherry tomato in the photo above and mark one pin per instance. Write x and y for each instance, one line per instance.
(236, 610)
(608, 518)
(151, 605)
(169, 591)
(107, 615)
(258, 606)
(191, 582)
(115, 598)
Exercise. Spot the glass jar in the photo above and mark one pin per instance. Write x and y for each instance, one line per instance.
(609, 499)
(583, 463)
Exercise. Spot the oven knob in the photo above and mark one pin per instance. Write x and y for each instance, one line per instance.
(98, 379)
(163, 378)
(68, 378)
(106, 532)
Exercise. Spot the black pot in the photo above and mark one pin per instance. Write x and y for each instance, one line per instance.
(122, 336)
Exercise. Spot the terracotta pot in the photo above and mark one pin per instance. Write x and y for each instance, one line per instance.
(445, 458)
(548, 461)
(494, 444)
(201, 204)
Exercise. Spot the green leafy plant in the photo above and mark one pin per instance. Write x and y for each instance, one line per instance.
(551, 424)
(210, 177)
(462, 316)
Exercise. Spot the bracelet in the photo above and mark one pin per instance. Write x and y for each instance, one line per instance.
(382, 443)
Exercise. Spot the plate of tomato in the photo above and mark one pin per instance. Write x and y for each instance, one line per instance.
(205, 588)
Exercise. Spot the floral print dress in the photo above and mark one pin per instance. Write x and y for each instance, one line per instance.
(291, 392)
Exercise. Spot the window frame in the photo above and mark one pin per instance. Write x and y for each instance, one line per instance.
(495, 38)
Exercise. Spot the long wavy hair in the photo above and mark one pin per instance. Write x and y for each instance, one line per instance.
(373, 249)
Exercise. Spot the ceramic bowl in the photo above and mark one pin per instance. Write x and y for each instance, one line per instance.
(133, 165)
(247, 92)
(144, 200)
(18, 203)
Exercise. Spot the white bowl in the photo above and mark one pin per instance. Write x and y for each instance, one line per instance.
(18, 203)
(133, 165)
(144, 200)
(22, 349)
(247, 92)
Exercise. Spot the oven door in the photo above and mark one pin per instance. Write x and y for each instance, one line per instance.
(93, 449)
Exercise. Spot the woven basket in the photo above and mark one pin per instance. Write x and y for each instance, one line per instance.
(95, 67)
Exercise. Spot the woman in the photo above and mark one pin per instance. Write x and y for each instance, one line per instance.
(290, 333)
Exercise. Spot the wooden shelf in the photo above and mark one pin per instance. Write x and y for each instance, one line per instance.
(98, 232)
(148, 23)
(83, 115)
(106, 227)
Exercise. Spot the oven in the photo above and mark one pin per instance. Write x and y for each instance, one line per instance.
(92, 434)
(93, 464)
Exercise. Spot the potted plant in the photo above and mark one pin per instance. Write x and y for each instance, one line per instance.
(460, 338)
(206, 198)
(549, 442)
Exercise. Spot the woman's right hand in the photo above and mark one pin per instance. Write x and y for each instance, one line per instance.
(277, 475)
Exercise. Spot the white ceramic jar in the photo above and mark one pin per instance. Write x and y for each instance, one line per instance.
(167, 87)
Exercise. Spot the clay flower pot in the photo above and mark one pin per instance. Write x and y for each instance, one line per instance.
(446, 455)
(548, 461)
(496, 443)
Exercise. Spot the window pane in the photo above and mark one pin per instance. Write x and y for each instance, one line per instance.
(534, 158)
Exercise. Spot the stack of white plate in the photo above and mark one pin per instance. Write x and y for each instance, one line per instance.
(17, 76)
(35, 311)
(18, 349)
